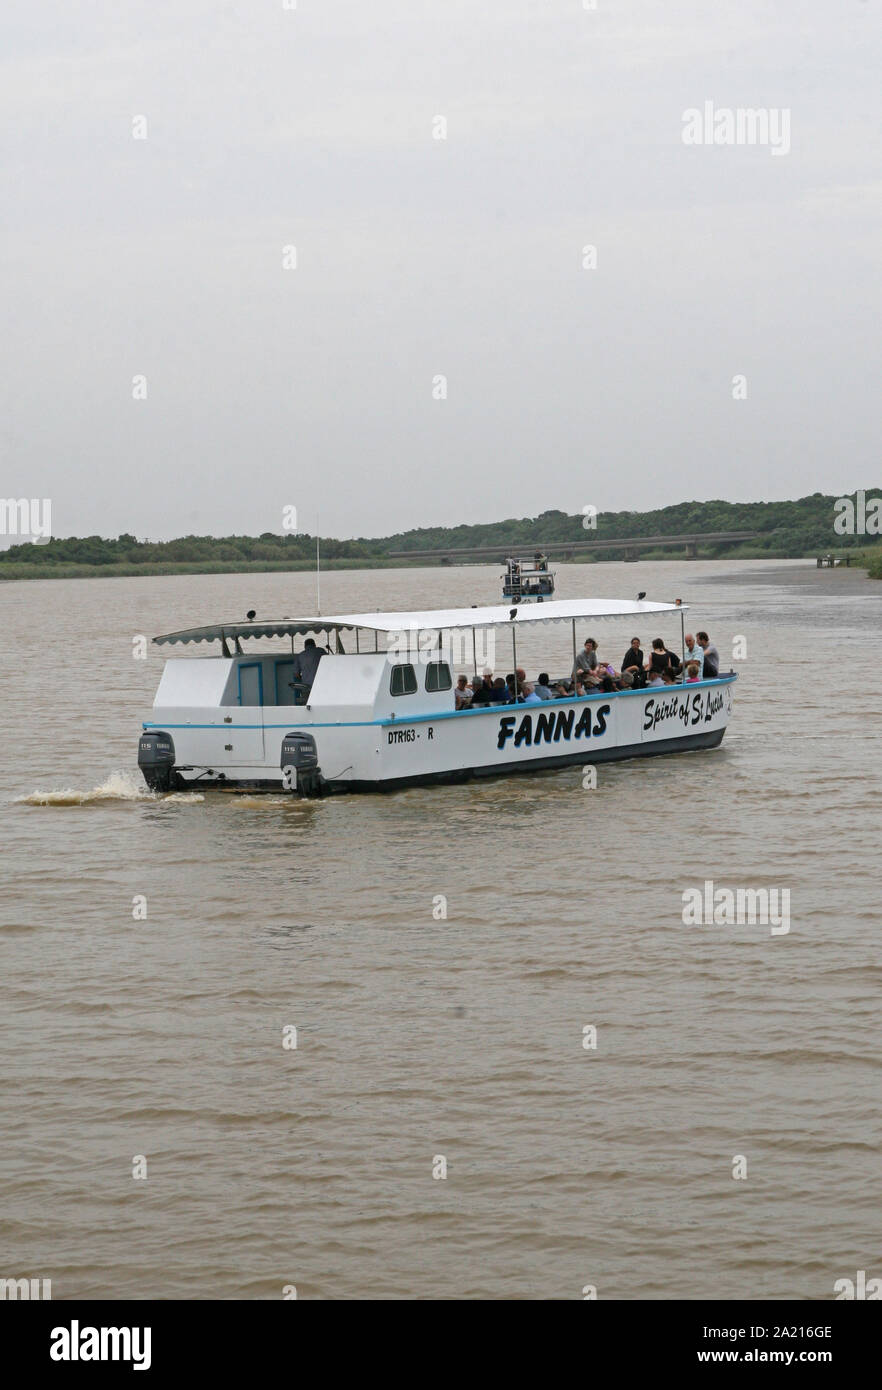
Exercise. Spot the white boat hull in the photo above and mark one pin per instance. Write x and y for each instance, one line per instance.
(242, 748)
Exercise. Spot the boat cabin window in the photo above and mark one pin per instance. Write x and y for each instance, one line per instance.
(438, 676)
(404, 681)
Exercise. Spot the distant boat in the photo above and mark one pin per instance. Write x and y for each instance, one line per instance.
(527, 581)
(375, 720)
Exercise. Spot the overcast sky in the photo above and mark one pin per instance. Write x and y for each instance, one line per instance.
(419, 257)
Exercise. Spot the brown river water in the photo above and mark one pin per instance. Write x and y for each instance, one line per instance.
(418, 1037)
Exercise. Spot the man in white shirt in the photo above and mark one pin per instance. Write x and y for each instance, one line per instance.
(694, 653)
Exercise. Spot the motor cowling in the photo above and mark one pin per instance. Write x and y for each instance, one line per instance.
(156, 759)
(300, 765)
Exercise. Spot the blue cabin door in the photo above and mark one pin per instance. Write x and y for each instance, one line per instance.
(243, 736)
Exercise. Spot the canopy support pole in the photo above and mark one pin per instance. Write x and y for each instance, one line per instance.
(357, 647)
(514, 659)
(683, 640)
(474, 652)
(574, 656)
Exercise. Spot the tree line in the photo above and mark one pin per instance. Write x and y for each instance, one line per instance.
(784, 529)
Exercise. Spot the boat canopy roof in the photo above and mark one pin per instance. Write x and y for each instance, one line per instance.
(433, 619)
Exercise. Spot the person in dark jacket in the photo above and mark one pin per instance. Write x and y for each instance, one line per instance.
(306, 663)
(662, 660)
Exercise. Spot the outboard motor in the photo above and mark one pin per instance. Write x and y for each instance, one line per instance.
(156, 759)
(300, 769)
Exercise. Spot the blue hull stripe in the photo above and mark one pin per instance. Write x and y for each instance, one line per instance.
(445, 714)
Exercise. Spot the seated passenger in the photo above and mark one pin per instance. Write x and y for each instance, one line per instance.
(593, 680)
(483, 693)
(500, 692)
(654, 678)
(694, 652)
(543, 687)
(633, 656)
(462, 694)
(586, 662)
(529, 696)
(661, 659)
(668, 677)
(711, 668)
(693, 671)
(626, 680)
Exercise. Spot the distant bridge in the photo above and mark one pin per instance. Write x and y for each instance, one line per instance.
(567, 550)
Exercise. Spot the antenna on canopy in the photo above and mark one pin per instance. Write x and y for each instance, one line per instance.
(318, 574)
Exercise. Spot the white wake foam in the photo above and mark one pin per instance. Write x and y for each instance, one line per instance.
(119, 786)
